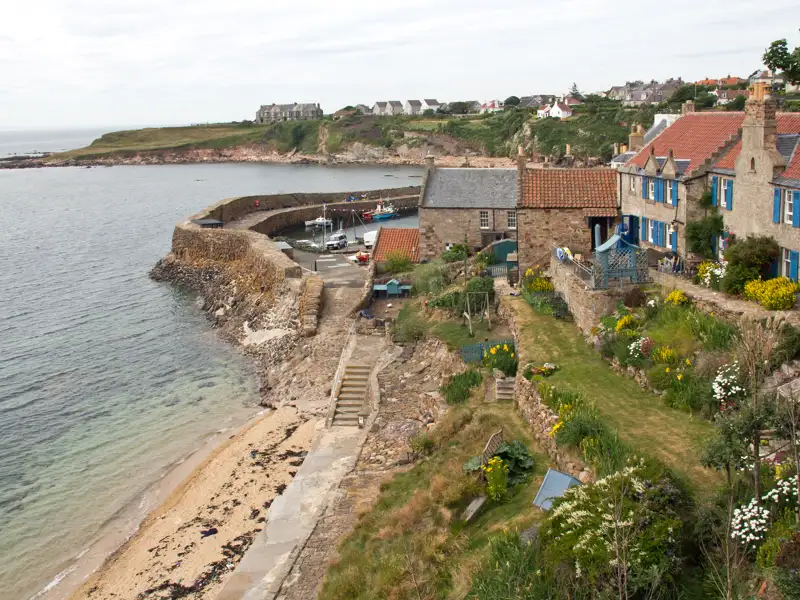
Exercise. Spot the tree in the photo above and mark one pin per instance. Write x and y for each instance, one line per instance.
(736, 104)
(428, 112)
(458, 108)
(574, 92)
(778, 58)
(512, 101)
(705, 100)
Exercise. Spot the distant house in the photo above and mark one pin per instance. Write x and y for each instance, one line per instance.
(560, 111)
(570, 101)
(380, 109)
(543, 111)
(430, 104)
(394, 107)
(363, 109)
(731, 81)
(725, 96)
(491, 106)
(273, 113)
(343, 112)
(396, 239)
(473, 106)
(773, 80)
(708, 82)
(412, 107)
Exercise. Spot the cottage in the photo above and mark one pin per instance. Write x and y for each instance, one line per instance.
(724, 96)
(430, 104)
(363, 109)
(491, 106)
(394, 107)
(412, 107)
(543, 111)
(560, 110)
(380, 109)
(288, 112)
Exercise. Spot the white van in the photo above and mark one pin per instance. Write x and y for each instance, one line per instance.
(369, 238)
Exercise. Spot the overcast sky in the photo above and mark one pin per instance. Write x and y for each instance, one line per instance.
(67, 63)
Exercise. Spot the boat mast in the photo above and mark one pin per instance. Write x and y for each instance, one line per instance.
(324, 226)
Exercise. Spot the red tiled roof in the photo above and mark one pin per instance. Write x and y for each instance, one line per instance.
(707, 82)
(787, 123)
(393, 239)
(693, 137)
(730, 80)
(569, 188)
(563, 107)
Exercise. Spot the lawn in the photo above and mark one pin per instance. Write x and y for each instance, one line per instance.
(413, 543)
(640, 417)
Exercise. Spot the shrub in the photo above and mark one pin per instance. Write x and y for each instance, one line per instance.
(773, 294)
(625, 322)
(690, 392)
(513, 570)
(421, 444)
(458, 388)
(709, 273)
(660, 377)
(501, 357)
(735, 278)
(485, 258)
(458, 252)
(713, 333)
(451, 301)
(516, 456)
(700, 235)
(408, 326)
(496, 472)
(755, 254)
(430, 278)
(677, 298)
(664, 355)
(398, 261)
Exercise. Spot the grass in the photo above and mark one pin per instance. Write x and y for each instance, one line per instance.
(688, 330)
(413, 544)
(641, 419)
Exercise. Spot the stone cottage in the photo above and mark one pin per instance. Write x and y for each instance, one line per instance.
(288, 112)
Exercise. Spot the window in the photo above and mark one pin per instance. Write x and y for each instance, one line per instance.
(752, 164)
(788, 207)
(512, 219)
(786, 263)
(723, 200)
(668, 185)
(632, 179)
(651, 231)
(651, 189)
(484, 219)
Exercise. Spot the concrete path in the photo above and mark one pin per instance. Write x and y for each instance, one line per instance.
(293, 516)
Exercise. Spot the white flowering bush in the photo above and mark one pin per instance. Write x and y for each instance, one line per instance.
(710, 273)
(640, 349)
(727, 386)
(750, 524)
(784, 490)
(629, 521)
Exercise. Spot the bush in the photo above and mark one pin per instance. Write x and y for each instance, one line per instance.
(736, 276)
(398, 261)
(516, 456)
(755, 253)
(773, 294)
(458, 252)
(660, 377)
(431, 278)
(496, 473)
(664, 355)
(458, 388)
(713, 333)
(408, 326)
(700, 235)
(687, 391)
(421, 444)
(677, 298)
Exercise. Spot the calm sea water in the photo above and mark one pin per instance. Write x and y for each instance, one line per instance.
(46, 140)
(107, 378)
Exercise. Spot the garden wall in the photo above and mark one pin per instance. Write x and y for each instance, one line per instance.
(587, 306)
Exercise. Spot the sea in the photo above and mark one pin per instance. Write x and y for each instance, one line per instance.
(110, 381)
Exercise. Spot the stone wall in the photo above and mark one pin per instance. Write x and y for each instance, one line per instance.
(440, 226)
(366, 293)
(231, 209)
(587, 306)
(539, 229)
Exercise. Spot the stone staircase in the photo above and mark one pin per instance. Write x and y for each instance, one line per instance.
(504, 389)
(351, 398)
(310, 305)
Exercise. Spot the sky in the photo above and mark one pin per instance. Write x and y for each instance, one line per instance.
(86, 63)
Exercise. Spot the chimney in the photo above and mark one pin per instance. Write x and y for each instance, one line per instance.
(636, 139)
(760, 129)
(623, 148)
(688, 107)
(522, 162)
(569, 150)
(616, 149)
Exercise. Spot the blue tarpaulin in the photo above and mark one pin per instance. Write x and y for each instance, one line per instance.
(554, 485)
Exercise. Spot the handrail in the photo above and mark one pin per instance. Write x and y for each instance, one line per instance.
(337, 379)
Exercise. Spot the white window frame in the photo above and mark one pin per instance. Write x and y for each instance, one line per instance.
(483, 216)
(651, 189)
(511, 217)
(633, 182)
(651, 231)
(668, 185)
(788, 206)
(723, 201)
(786, 263)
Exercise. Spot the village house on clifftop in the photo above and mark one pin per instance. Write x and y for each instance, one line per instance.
(288, 112)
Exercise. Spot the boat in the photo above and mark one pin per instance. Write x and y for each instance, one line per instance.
(381, 213)
(319, 222)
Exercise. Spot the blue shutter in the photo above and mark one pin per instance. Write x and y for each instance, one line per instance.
(675, 193)
(674, 237)
(776, 206)
(644, 187)
(793, 256)
(774, 267)
(795, 209)
(730, 195)
(662, 194)
(657, 190)
(657, 233)
(663, 237)
(714, 186)
(644, 229)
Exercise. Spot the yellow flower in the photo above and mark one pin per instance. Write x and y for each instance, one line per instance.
(512, 355)
(666, 370)
(493, 350)
(505, 347)
(680, 376)
(688, 362)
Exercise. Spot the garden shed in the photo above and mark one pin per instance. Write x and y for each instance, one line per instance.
(554, 485)
(392, 288)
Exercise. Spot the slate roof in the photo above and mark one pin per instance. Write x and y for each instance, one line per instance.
(416, 103)
(471, 188)
(657, 128)
(395, 103)
(569, 188)
(623, 158)
(693, 138)
(430, 101)
(394, 239)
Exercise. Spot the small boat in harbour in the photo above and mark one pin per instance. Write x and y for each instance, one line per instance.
(381, 213)
(319, 222)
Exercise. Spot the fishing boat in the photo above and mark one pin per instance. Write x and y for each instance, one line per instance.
(381, 213)
(319, 222)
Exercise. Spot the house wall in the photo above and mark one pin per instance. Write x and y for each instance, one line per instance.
(538, 229)
(440, 226)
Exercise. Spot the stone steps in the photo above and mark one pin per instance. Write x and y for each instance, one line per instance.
(310, 305)
(351, 398)
(504, 389)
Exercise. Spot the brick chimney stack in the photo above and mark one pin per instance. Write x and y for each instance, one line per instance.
(522, 164)
(636, 138)
(688, 107)
(616, 149)
(760, 127)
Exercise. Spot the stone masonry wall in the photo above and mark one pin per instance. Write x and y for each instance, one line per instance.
(440, 226)
(541, 228)
(231, 209)
(587, 306)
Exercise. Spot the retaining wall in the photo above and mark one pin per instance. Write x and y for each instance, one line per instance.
(231, 209)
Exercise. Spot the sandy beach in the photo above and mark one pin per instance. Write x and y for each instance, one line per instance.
(189, 544)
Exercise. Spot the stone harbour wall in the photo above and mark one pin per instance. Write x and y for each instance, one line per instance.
(586, 305)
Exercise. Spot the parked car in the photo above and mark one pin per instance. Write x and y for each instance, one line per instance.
(336, 240)
(369, 238)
